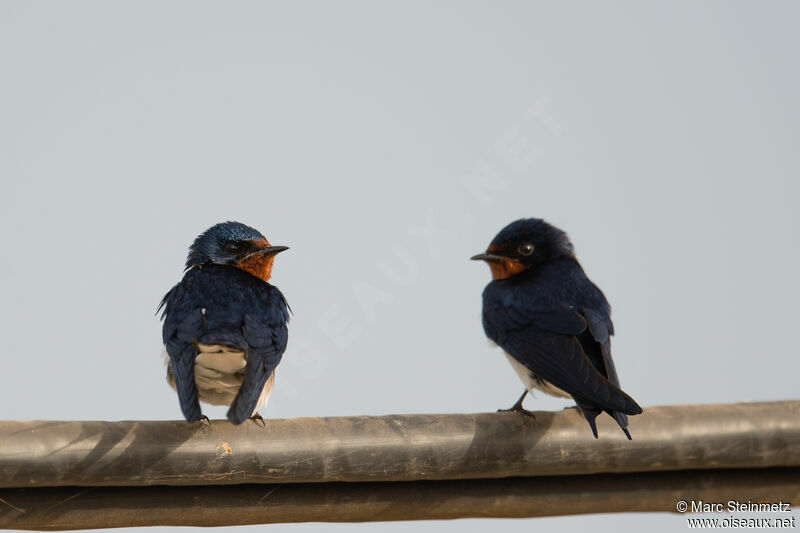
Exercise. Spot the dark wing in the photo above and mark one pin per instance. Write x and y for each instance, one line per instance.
(601, 328)
(266, 335)
(181, 330)
(547, 343)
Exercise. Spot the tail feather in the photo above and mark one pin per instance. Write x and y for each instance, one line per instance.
(622, 420)
(590, 414)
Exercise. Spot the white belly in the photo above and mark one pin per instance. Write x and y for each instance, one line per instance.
(218, 375)
(532, 384)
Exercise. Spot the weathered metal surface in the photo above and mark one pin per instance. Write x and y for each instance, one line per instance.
(396, 447)
(103, 507)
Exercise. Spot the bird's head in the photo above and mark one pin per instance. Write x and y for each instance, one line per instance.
(525, 244)
(234, 244)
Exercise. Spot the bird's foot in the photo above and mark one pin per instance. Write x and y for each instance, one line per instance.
(258, 420)
(518, 409)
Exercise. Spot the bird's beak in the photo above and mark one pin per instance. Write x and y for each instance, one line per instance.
(268, 251)
(489, 257)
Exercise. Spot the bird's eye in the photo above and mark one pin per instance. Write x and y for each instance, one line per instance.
(231, 247)
(525, 248)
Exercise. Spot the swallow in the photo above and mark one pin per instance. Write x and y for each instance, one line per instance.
(225, 325)
(553, 323)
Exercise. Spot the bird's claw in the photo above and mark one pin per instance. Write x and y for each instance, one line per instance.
(518, 409)
(258, 420)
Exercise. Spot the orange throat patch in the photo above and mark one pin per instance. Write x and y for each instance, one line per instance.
(505, 269)
(257, 264)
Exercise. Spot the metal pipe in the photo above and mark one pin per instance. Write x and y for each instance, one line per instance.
(396, 447)
(64, 508)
